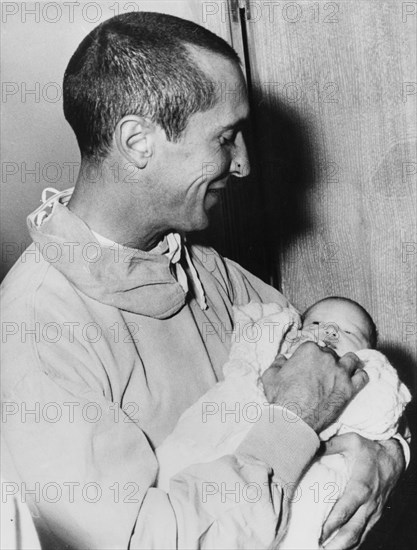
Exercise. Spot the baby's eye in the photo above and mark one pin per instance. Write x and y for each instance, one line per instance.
(347, 332)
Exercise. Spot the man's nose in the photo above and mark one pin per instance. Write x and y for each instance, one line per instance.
(240, 166)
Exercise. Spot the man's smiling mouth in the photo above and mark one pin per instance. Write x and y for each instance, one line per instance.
(218, 186)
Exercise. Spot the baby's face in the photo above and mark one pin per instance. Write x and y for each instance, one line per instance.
(339, 325)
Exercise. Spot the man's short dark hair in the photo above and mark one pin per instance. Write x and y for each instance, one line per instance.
(138, 63)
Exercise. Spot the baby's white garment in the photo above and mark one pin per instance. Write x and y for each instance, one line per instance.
(219, 421)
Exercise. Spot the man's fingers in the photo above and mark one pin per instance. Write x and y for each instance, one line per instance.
(342, 512)
(354, 366)
(279, 361)
(335, 445)
(269, 376)
(350, 362)
(347, 538)
(349, 535)
(345, 443)
(359, 379)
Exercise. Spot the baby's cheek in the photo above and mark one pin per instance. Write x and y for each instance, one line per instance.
(294, 339)
(347, 344)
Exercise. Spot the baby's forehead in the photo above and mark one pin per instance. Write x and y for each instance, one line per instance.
(327, 308)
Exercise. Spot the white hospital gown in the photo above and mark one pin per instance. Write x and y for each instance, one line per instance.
(219, 421)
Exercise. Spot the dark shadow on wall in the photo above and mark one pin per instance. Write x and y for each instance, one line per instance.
(262, 213)
(286, 150)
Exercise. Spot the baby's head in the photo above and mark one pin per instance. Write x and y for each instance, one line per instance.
(341, 324)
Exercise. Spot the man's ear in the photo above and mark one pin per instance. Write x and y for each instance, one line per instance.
(135, 139)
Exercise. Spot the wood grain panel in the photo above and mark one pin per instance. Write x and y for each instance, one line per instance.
(334, 108)
(336, 131)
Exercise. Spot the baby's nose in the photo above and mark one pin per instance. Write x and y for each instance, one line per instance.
(330, 331)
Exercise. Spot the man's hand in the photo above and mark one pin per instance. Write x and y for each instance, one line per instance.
(375, 467)
(315, 383)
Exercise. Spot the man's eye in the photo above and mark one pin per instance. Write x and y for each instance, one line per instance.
(227, 140)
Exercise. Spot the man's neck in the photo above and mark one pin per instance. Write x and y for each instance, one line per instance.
(109, 213)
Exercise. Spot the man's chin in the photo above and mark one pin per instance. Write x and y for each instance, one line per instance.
(199, 224)
(204, 219)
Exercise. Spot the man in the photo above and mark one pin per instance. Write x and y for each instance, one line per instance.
(114, 327)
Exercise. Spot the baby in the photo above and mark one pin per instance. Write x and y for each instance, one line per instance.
(203, 433)
(339, 323)
(344, 326)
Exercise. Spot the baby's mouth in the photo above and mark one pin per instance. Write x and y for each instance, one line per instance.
(328, 344)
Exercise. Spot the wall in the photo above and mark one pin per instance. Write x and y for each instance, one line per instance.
(334, 105)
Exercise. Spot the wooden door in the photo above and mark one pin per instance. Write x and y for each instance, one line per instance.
(333, 92)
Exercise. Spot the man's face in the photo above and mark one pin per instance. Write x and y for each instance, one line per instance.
(188, 175)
